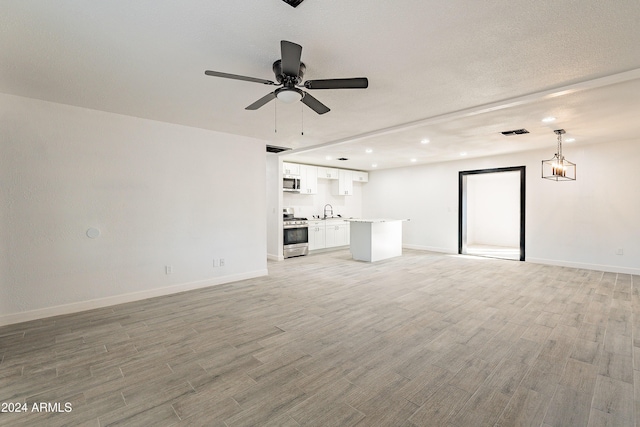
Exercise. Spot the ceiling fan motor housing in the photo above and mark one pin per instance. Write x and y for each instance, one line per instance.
(288, 80)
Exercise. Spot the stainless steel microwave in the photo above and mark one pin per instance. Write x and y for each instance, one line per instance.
(291, 183)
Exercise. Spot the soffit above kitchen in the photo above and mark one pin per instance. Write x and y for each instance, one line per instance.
(424, 60)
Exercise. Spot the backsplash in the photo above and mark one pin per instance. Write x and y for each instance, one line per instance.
(306, 206)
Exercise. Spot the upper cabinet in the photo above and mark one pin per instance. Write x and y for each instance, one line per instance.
(360, 176)
(344, 185)
(308, 179)
(327, 173)
(342, 179)
(290, 168)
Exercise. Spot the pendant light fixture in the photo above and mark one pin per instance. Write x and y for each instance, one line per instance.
(558, 168)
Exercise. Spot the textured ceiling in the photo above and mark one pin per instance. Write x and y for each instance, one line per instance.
(432, 66)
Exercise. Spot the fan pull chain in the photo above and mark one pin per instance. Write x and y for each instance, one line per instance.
(301, 119)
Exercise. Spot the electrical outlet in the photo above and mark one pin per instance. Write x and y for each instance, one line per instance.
(620, 251)
(221, 262)
(168, 269)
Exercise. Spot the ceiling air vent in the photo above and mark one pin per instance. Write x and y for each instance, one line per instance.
(274, 149)
(515, 132)
(293, 3)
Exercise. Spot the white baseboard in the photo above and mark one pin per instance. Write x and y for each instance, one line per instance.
(124, 298)
(272, 257)
(585, 266)
(430, 249)
(558, 263)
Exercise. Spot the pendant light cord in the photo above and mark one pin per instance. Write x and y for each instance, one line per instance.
(560, 156)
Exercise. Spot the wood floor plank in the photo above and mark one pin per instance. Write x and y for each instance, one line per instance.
(614, 397)
(568, 407)
(440, 407)
(526, 408)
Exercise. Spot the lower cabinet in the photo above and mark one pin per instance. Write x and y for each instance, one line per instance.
(328, 234)
(337, 235)
(316, 235)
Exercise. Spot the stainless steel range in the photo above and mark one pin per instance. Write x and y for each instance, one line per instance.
(295, 234)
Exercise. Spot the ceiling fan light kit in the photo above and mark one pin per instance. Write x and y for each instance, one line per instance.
(289, 95)
(289, 72)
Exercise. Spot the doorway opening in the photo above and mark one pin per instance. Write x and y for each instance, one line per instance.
(491, 213)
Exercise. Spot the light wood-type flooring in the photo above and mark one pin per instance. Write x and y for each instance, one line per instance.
(420, 340)
(492, 251)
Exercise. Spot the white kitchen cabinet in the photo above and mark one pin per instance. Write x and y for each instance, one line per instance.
(328, 234)
(336, 234)
(344, 185)
(308, 179)
(290, 168)
(328, 173)
(360, 176)
(317, 235)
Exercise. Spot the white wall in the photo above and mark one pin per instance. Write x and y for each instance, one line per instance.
(493, 209)
(580, 223)
(160, 194)
(274, 207)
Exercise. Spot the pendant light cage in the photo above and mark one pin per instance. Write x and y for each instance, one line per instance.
(558, 168)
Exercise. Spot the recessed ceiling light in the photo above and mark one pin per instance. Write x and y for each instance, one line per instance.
(328, 157)
(464, 153)
(368, 151)
(570, 140)
(375, 165)
(549, 119)
(424, 141)
(414, 160)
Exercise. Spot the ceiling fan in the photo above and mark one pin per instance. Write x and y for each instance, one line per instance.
(289, 72)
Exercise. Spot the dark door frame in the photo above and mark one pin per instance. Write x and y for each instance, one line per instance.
(462, 202)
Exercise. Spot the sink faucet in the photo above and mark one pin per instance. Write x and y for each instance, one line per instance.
(330, 210)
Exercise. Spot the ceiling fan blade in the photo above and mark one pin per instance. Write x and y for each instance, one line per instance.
(237, 77)
(260, 102)
(353, 83)
(314, 104)
(291, 54)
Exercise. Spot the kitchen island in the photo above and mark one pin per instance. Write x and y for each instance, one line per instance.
(375, 239)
